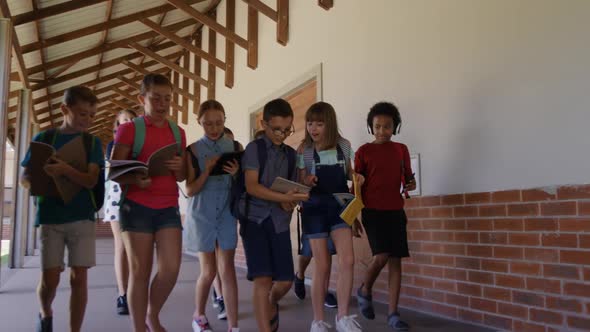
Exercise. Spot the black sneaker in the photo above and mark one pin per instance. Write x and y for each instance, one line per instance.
(299, 288)
(365, 303)
(222, 314)
(214, 299)
(330, 301)
(44, 324)
(122, 307)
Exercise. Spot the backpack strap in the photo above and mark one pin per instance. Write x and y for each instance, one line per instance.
(236, 146)
(291, 161)
(89, 145)
(176, 133)
(139, 138)
(262, 156)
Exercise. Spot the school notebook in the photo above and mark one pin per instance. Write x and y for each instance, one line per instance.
(42, 184)
(283, 185)
(155, 166)
(354, 207)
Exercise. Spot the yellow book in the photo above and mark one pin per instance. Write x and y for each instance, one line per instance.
(354, 208)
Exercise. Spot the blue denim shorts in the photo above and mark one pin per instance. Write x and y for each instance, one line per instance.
(135, 217)
(306, 247)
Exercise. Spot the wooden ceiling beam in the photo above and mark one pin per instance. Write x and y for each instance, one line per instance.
(252, 38)
(263, 9)
(103, 79)
(230, 48)
(113, 23)
(107, 47)
(168, 63)
(182, 42)
(197, 63)
(38, 30)
(106, 64)
(326, 4)
(181, 91)
(54, 10)
(16, 50)
(104, 37)
(208, 21)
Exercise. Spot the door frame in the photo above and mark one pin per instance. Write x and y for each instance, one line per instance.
(314, 73)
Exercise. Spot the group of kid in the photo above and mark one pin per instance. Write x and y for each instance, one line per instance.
(144, 215)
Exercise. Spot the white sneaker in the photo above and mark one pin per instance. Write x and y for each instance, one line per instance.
(201, 325)
(319, 326)
(347, 324)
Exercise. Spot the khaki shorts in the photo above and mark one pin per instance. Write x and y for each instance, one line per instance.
(80, 239)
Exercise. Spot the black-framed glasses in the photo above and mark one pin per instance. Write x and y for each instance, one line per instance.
(279, 132)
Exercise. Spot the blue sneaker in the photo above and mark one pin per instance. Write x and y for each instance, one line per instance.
(365, 304)
(396, 323)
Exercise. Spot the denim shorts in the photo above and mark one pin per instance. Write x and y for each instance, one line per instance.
(319, 221)
(306, 247)
(135, 217)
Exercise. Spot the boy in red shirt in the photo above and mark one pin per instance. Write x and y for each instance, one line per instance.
(149, 208)
(386, 167)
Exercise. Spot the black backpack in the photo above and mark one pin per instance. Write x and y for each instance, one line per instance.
(239, 183)
(97, 192)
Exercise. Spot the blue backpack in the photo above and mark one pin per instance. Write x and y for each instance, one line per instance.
(239, 184)
(97, 192)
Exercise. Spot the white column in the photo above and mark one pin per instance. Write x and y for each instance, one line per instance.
(5, 58)
(21, 198)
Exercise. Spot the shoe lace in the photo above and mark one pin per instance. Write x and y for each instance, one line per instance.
(350, 323)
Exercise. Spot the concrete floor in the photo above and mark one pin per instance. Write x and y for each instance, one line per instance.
(19, 306)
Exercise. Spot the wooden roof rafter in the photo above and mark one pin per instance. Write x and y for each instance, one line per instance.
(16, 50)
(43, 55)
(105, 35)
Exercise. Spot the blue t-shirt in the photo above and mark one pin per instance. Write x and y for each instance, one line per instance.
(52, 210)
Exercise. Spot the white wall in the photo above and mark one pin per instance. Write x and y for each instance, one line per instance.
(493, 94)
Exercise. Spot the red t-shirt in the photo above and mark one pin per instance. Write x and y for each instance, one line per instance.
(381, 166)
(163, 192)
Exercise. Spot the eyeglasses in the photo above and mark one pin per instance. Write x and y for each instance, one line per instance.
(279, 132)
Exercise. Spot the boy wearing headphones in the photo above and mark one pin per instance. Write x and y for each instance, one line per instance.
(386, 167)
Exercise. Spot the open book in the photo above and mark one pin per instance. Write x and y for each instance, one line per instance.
(283, 185)
(155, 166)
(42, 184)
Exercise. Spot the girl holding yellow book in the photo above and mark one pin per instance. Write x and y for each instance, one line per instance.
(324, 163)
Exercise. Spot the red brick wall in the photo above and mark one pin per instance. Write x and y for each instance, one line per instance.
(515, 260)
(103, 230)
(6, 232)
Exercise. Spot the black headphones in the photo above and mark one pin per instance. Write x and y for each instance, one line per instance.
(396, 129)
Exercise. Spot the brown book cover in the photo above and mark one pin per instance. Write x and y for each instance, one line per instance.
(155, 166)
(42, 184)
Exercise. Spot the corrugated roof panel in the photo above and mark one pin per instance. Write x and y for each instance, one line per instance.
(113, 69)
(127, 30)
(78, 81)
(73, 20)
(15, 85)
(49, 3)
(117, 53)
(178, 15)
(73, 47)
(127, 7)
(85, 63)
(26, 33)
(18, 7)
(32, 59)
